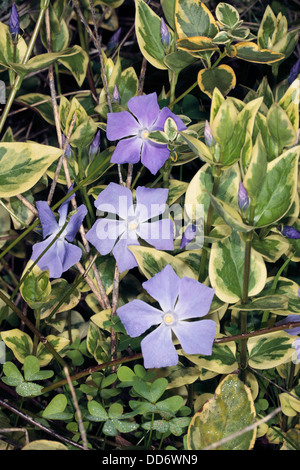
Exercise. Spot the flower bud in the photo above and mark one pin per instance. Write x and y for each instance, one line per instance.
(95, 145)
(290, 232)
(208, 137)
(114, 40)
(243, 197)
(116, 95)
(165, 34)
(14, 22)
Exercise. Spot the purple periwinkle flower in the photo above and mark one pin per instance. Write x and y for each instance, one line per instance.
(188, 235)
(180, 300)
(128, 222)
(146, 117)
(243, 197)
(294, 72)
(290, 232)
(14, 22)
(95, 145)
(62, 255)
(165, 33)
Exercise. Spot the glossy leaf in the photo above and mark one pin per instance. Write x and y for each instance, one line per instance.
(221, 77)
(19, 159)
(270, 350)
(226, 269)
(192, 18)
(228, 412)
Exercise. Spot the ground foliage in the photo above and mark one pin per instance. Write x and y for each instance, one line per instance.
(72, 371)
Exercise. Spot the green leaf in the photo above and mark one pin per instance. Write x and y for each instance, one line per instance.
(29, 389)
(228, 412)
(45, 108)
(257, 168)
(19, 342)
(267, 28)
(221, 77)
(13, 375)
(59, 287)
(179, 60)
(43, 355)
(230, 215)
(36, 286)
(278, 189)
(150, 391)
(226, 269)
(43, 444)
(270, 350)
(222, 360)
(147, 27)
(23, 164)
(280, 127)
(56, 408)
(269, 302)
(202, 184)
(227, 15)
(192, 18)
(251, 52)
(97, 411)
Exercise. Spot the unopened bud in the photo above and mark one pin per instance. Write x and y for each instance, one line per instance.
(290, 232)
(116, 95)
(95, 145)
(14, 22)
(208, 137)
(243, 197)
(165, 34)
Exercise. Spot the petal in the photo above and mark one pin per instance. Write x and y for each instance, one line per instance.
(47, 218)
(63, 210)
(104, 234)
(50, 260)
(159, 234)
(150, 202)
(69, 254)
(194, 299)
(154, 156)
(158, 349)
(145, 108)
(288, 319)
(115, 199)
(75, 223)
(127, 151)
(121, 125)
(196, 337)
(163, 287)
(124, 258)
(137, 317)
(164, 114)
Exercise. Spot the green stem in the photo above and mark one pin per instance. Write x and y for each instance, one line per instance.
(90, 215)
(37, 325)
(19, 78)
(245, 293)
(173, 77)
(186, 92)
(34, 330)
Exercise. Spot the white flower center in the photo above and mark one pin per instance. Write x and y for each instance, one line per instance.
(143, 133)
(169, 318)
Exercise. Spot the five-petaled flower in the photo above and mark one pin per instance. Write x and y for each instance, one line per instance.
(145, 118)
(180, 300)
(61, 255)
(127, 222)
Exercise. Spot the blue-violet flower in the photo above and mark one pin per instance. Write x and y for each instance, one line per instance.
(146, 117)
(62, 255)
(243, 197)
(180, 300)
(116, 234)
